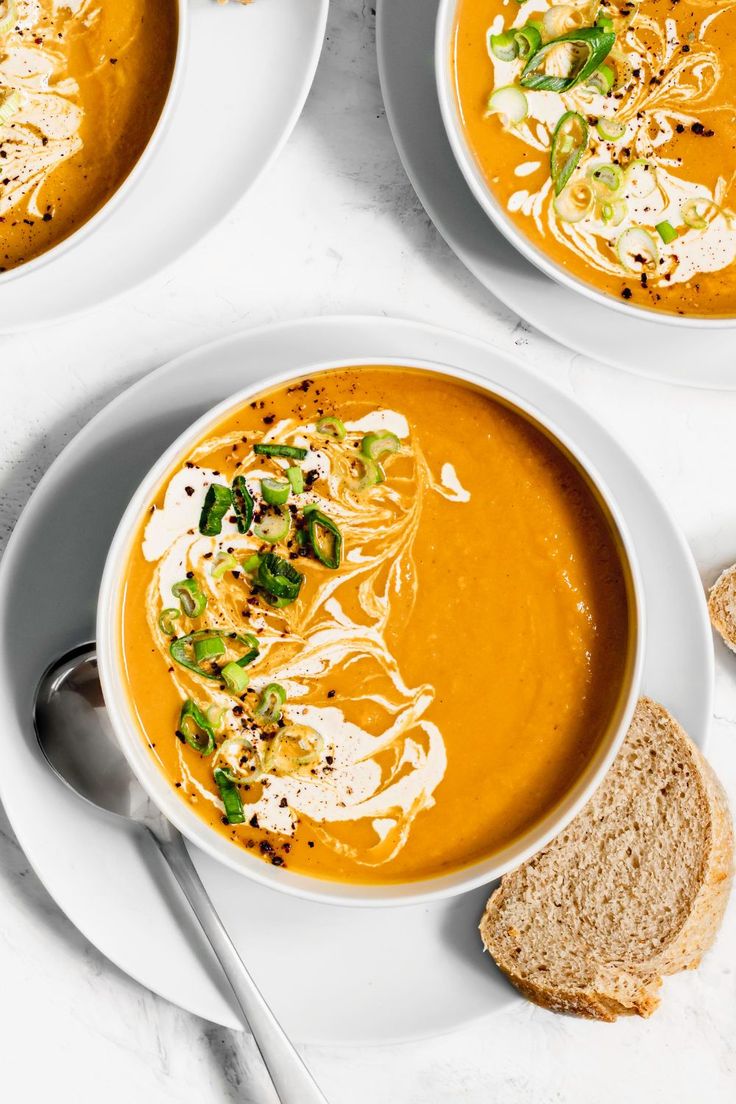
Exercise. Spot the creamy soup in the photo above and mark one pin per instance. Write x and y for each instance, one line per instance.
(82, 86)
(406, 655)
(607, 132)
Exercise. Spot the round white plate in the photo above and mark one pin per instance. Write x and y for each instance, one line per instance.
(700, 358)
(381, 975)
(246, 77)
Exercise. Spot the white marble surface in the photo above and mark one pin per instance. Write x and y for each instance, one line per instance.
(336, 228)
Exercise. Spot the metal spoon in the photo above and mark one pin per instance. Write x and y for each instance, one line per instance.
(77, 739)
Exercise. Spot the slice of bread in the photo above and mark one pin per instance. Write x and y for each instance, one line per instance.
(722, 606)
(633, 889)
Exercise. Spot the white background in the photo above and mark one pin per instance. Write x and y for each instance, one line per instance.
(334, 227)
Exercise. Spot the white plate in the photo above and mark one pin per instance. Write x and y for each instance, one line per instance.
(405, 38)
(381, 975)
(246, 77)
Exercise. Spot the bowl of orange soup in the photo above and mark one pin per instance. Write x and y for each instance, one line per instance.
(86, 87)
(598, 137)
(371, 633)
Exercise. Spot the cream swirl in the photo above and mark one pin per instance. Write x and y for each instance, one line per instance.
(379, 759)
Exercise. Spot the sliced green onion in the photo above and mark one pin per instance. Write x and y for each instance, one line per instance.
(209, 647)
(614, 211)
(610, 130)
(279, 578)
(223, 562)
(569, 142)
(275, 491)
(252, 563)
(196, 729)
(325, 538)
(296, 479)
(330, 426)
(510, 103)
(166, 620)
(369, 473)
(215, 715)
(291, 452)
(637, 250)
(184, 650)
(192, 600)
(528, 39)
(504, 46)
(605, 23)
(230, 797)
(10, 102)
(575, 202)
(217, 502)
(242, 504)
(640, 178)
(234, 677)
(269, 706)
(607, 179)
(666, 231)
(602, 80)
(377, 445)
(594, 46)
(273, 526)
(695, 211)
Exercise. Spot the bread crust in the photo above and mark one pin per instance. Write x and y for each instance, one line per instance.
(722, 606)
(631, 987)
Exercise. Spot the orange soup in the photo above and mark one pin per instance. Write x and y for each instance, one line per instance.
(82, 86)
(374, 625)
(606, 131)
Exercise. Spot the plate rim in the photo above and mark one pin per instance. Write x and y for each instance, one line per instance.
(385, 329)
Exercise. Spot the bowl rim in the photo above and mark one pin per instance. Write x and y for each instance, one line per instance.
(90, 225)
(468, 165)
(194, 828)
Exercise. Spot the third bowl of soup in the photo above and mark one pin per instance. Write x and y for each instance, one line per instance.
(371, 633)
(85, 89)
(599, 136)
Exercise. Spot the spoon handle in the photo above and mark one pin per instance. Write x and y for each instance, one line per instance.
(291, 1078)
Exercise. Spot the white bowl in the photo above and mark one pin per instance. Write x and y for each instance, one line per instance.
(468, 164)
(196, 830)
(136, 172)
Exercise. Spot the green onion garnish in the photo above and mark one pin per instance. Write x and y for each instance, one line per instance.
(504, 46)
(208, 647)
(602, 80)
(166, 620)
(196, 729)
(369, 473)
(569, 141)
(377, 445)
(605, 23)
(217, 502)
(291, 452)
(234, 677)
(242, 504)
(192, 600)
(296, 479)
(607, 179)
(184, 651)
(666, 231)
(223, 562)
(275, 491)
(252, 563)
(230, 797)
(593, 47)
(330, 426)
(325, 538)
(272, 699)
(279, 578)
(528, 40)
(273, 526)
(610, 130)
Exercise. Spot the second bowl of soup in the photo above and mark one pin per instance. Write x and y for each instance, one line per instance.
(371, 633)
(598, 137)
(84, 87)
